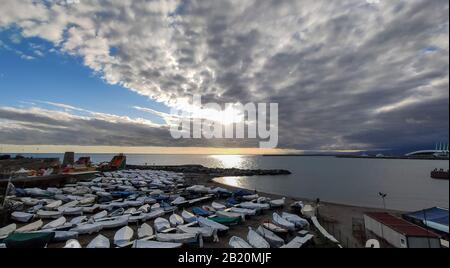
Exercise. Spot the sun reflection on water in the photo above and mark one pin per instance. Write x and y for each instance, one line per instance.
(229, 161)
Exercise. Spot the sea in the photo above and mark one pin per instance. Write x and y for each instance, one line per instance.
(347, 181)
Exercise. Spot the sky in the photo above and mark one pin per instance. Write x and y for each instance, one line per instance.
(347, 75)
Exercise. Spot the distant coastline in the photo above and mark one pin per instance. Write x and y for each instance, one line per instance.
(358, 156)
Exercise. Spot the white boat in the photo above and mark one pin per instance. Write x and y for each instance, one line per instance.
(87, 228)
(298, 242)
(199, 189)
(205, 232)
(185, 238)
(45, 214)
(308, 211)
(78, 220)
(35, 208)
(115, 222)
(237, 242)
(274, 240)
(137, 218)
(274, 228)
(72, 243)
(72, 211)
(7, 230)
(263, 199)
(117, 212)
(100, 215)
(55, 224)
(277, 203)
(155, 244)
(243, 211)
(188, 217)
(297, 220)
(87, 201)
(130, 211)
(218, 206)
(21, 216)
(30, 227)
(123, 236)
(53, 205)
(278, 220)
(250, 197)
(145, 208)
(153, 214)
(62, 236)
(255, 240)
(230, 215)
(256, 206)
(161, 224)
(99, 241)
(91, 209)
(145, 231)
(204, 222)
(68, 205)
(28, 201)
(134, 203)
(178, 201)
(323, 231)
(176, 220)
(155, 206)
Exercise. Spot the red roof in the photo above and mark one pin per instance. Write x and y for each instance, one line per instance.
(402, 226)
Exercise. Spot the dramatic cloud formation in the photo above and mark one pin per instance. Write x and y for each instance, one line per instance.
(346, 74)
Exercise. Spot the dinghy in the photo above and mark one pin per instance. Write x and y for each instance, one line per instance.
(115, 222)
(176, 220)
(134, 203)
(55, 224)
(73, 211)
(204, 222)
(298, 242)
(179, 201)
(297, 220)
(274, 228)
(145, 231)
(250, 197)
(230, 215)
(44, 214)
(205, 232)
(99, 241)
(53, 205)
(255, 240)
(155, 244)
(130, 211)
(277, 203)
(255, 206)
(161, 224)
(28, 240)
(274, 240)
(87, 201)
(226, 221)
(188, 217)
(137, 218)
(87, 228)
(155, 206)
(72, 243)
(185, 238)
(123, 236)
(237, 242)
(117, 212)
(31, 227)
(78, 220)
(5, 231)
(278, 220)
(35, 209)
(218, 206)
(153, 215)
(21, 216)
(28, 201)
(243, 211)
(100, 215)
(200, 212)
(63, 236)
(68, 205)
(91, 209)
(308, 211)
(145, 208)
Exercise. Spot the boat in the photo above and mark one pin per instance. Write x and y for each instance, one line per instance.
(297, 206)
(250, 197)
(440, 174)
(87, 201)
(55, 224)
(204, 222)
(277, 203)
(123, 236)
(28, 240)
(231, 202)
(274, 228)
(100, 215)
(155, 244)
(99, 241)
(185, 238)
(30, 227)
(226, 221)
(134, 203)
(72, 243)
(242, 192)
(78, 220)
(28, 201)
(153, 215)
(255, 206)
(278, 220)
(188, 217)
(130, 211)
(298, 242)
(91, 209)
(161, 224)
(205, 232)
(274, 240)
(145, 208)
(117, 212)
(255, 240)
(237, 242)
(297, 220)
(72, 211)
(5, 231)
(179, 201)
(145, 231)
(21, 216)
(231, 215)
(63, 236)
(263, 199)
(53, 205)
(45, 214)
(308, 211)
(176, 220)
(218, 206)
(87, 228)
(243, 211)
(200, 212)
(141, 217)
(68, 205)
(115, 222)
(155, 206)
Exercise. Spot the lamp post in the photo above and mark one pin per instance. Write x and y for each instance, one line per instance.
(383, 196)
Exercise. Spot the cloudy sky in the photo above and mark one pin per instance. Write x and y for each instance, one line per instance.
(348, 74)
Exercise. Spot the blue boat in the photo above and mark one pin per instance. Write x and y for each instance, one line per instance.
(200, 212)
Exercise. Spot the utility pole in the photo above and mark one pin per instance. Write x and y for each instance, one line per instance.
(383, 196)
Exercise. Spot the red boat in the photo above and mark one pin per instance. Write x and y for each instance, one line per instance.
(440, 174)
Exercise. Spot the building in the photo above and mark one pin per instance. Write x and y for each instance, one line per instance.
(441, 150)
(435, 219)
(400, 233)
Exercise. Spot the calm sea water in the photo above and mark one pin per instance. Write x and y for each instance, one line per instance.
(338, 180)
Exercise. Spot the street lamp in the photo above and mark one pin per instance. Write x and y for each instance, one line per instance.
(383, 196)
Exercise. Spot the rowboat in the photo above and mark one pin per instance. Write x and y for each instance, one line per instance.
(231, 215)
(134, 203)
(30, 227)
(53, 205)
(44, 214)
(68, 205)
(161, 224)
(100, 215)
(243, 211)
(117, 212)
(278, 220)
(256, 206)
(35, 208)
(155, 244)
(250, 197)
(5, 231)
(21, 216)
(130, 211)
(72, 211)
(255, 240)
(204, 222)
(185, 238)
(226, 221)
(297, 220)
(153, 214)
(179, 201)
(28, 201)
(99, 241)
(274, 228)
(141, 217)
(123, 236)
(62, 236)
(277, 203)
(274, 240)
(263, 199)
(155, 206)
(237, 242)
(78, 220)
(145, 208)
(145, 231)
(87, 201)
(91, 209)
(175, 220)
(188, 217)
(115, 222)
(55, 224)
(298, 242)
(200, 212)
(87, 228)
(205, 232)
(308, 211)
(72, 243)
(28, 240)
(218, 206)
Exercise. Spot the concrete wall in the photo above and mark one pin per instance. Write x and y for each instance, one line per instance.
(391, 236)
(423, 242)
